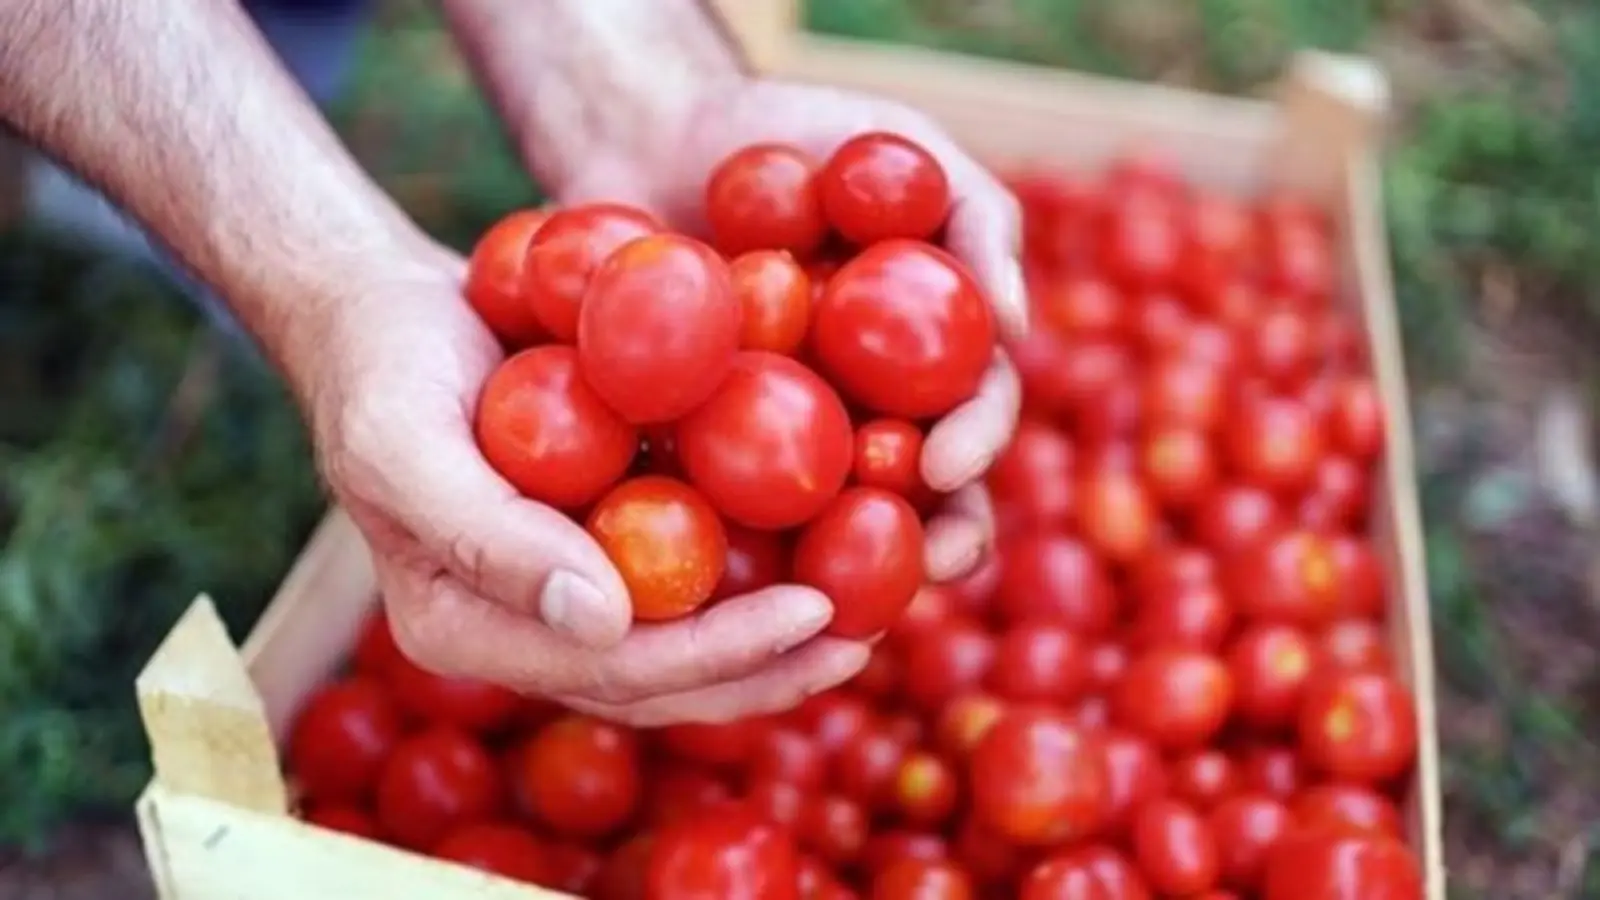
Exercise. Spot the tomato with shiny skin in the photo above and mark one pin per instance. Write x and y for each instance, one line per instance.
(1179, 466)
(1134, 776)
(864, 768)
(1289, 577)
(341, 738)
(1274, 443)
(496, 279)
(434, 782)
(375, 650)
(926, 789)
(1235, 516)
(574, 867)
(775, 294)
(1081, 304)
(543, 429)
(1354, 645)
(964, 719)
(1143, 239)
(1338, 496)
(1313, 865)
(1107, 663)
(579, 776)
(1359, 575)
(880, 186)
(773, 445)
(1271, 665)
(1359, 726)
(1196, 616)
(1178, 698)
(765, 197)
(622, 875)
(1280, 346)
(724, 854)
(1272, 769)
(1038, 779)
(864, 551)
(1346, 808)
(666, 541)
(904, 330)
(478, 706)
(1298, 257)
(352, 820)
(1181, 392)
(1049, 576)
(988, 856)
(1356, 419)
(1203, 778)
(834, 718)
(1062, 877)
(1116, 515)
(886, 847)
(1032, 477)
(675, 791)
(888, 455)
(779, 802)
(785, 753)
(509, 851)
(1175, 849)
(566, 251)
(950, 659)
(1042, 662)
(756, 560)
(917, 879)
(834, 827)
(1247, 827)
(722, 745)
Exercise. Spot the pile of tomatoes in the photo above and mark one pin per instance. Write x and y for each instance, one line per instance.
(1172, 679)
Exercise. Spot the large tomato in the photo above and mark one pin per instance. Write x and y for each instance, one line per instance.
(578, 776)
(566, 251)
(1271, 665)
(775, 294)
(495, 278)
(880, 186)
(772, 446)
(1359, 726)
(864, 551)
(1288, 577)
(434, 782)
(1039, 779)
(1321, 865)
(904, 330)
(665, 540)
(545, 431)
(764, 197)
(341, 738)
(726, 853)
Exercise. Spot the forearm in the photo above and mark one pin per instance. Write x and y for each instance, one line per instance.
(569, 76)
(180, 113)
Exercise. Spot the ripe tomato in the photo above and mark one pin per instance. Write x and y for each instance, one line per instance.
(1203, 778)
(1247, 828)
(1081, 305)
(1299, 257)
(772, 446)
(1040, 662)
(1134, 776)
(1281, 346)
(783, 753)
(1271, 665)
(887, 847)
(925, 789)
(1052, 577)
(1175, 849)
(1352, 645)
(1178, 465)
(352, 820)
(864, 551)
(1143, 239)
(888, 455)
(1235, 516)
(1115, 515)
(574, 867)
(964, 719)
(1178, 698)
(675, 791)
(1274, 443)
(1032, 477)
(834, 718)
(775, 295)
(1271, 769)
(495, 278)
(864, 768)
(764, 197)
(1196, 616)
(566, 251)
(506, 850)
(833, 827)
(434, 782)
(721, 745)
(1356, 421)
(756, 559)
(880, 186)
(990, 858)
(1359, 726)
(665, 540)
(1338, 496)
(1182, 392)
(477, 706)
(918, 879)
(880, 677)
(375, 650)
(1360, 577)
(1107, 662)
(1289, 577)
(1327, 866)
(1062, 877)
(950, 659)
(622, 875)
(579, 776)
(904, 330)
(545, 431)
(341, 738)
(659, 327)
(724, 854)
(778, 802)
(1038, 779)
(1346, 808)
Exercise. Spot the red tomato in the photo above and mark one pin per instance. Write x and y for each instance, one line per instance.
(1178, 465)
(1359, 726)
(495, 278)
(1114, 872)
(1178, 698)
(1182, 392)
(925, 789)
(1143, 239)
(665, 540)
(1354, 645)
(1338, 496)
(864, 551)
(764, 197)
(1134, 776)
(622, 875)
(834, 718)
(1052, 577)
(1360, 577)
(973, 593)
(865, 767)
(1247, 829)
(1196, 616)
(1040, 662)
(1160, 323)
(1175, 849)
(1272, 770)
(756, 559)
(476, 706)
(566, 251)
(879, 186)
(725, 854)
(341, 738)
(778, 802)
(1321, 866)
(545, 431)
(574, 867)
(1235, 516)
(375, 650)
(1032, 477)
(577, 775)
(1171, 565)
(506, 850)
(772, 446)
(1356, 421)
(989, 857)
(787, 754)
(885, 848)
(880, 677)
(1281, 346)
(1346, 808)
(1271, 665)
(918, 879)
(963, 721)
(1064, 877)
(722, 744)
(904, 330)
(1038, 779)
(950, 659)
(833, 827)
(775, 294)
(1289, 577)
(673, 792)
(889, 456)
(1107, 663)
(1275, 444)
(434, 782)
(659, 327)
(1203, 778)
(1299, 258)
(352, 820)
(1116, 515)
(1081, 305)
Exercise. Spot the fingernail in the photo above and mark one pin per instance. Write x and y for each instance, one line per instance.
(951, 550)
(572, 606)
(802, 618)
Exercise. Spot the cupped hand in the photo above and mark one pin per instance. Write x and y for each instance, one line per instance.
(984, 230)
(481, 582)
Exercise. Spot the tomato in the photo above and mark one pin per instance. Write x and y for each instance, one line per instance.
(1115, 874)
(964, 719)
(720, 745)
(1081, 305)
(1274, 443)
(787, 754)
(864, 551)
(1087, 370)
(1046, 366)
(468, 703)
(1346, 807)
(1038, 779)
(1356, 421)
(925, 789)
(1178, 465)
(775, 294)
(376, 652)
(1116, 515)
(950, 659)
(1159, 324)
(566, 251)
(1179, 392)
(574, 868)
(724, 854)
(1143, 239)
(1322, 866)
(1047, 576)
(659, 327)
(1299, 258)
(880, 677)
(1062, 878)
(834, 827)
(341, 738)
(765, 197)
(495, 278)
(1247, 828)
(1271, 665)
(834, 718)
(666, 542)
(756, 559)
(779, 802)
(544, 430)
(1107, 663)
(1178, 698)
(506, 850)
(1203, 778)
(1112, 415)
(917, 879)
(885, 848)
(1338, 496)
(1359, 726)
(673, 792)
(1235, 516)
(1271, 769)
(1196, 616)
(1354, 645)
(865, 767)
(1175, 849)
(1032, 477)
(352, 820)
(1289, 577)
(880, 186)
(1360, 577)
(622, 875)
(772, 446)
(989, 857)
(1221, 232)
(1040, 661)
(973, 593)
(578, 775)
(434, 782)
(888, 455)
(1134, 776)
(1280, 345)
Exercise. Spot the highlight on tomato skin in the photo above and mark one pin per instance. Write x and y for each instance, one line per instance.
(667, 542)
(565, 253)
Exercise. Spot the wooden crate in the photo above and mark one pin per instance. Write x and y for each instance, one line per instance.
(215, 818)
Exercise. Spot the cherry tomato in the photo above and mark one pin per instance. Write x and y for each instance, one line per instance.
(880, 677)
(772, 446)
(566, 251)
(865, 767)
(1038, 779)
(468, 703)
(889, 456)
(1275, 444)
(622, 875)
(1203, 778)
(1040, 662)
(659, 327)
(885, 848)
(779, 802)
(989, 857)
(720, 745)
(673, 792)
(1354, 645)
(1182, 392)
(880, 186)
(1134, 776)
(1271, 665)
(783, 753)
(1178, 698)
(665, 540)
(1107, 663)
(1298, 258)
(1175, 848)
(775, 294)
(376, 650)
(574, 867)
(1338, 496)
(1143, 239)
(1341, 867)
(1280, 345)
(904, 330)
(1047, 576)
(834, 719)
(950, 659)
(1271, 769)
(434, 782)
(1178, 465)
(1359, 726)
(833, 827)
(1032, 477)
(756, 559)
(579, 776)
(1116, 515)
(764, 197)
(925, 789)
(1081, 305)
(1235, 516)
(918, 879)
(1196, 616)
(341, 738)
(496, 279)
(1359, 575)
(964, 719)
(352, 820)
(506, 850)
(1062, 877)
(1356, 421)
(724, 854)
(1247, 828)
(545, 431)
(864, 551)
(1289, 577)
(1346, 808)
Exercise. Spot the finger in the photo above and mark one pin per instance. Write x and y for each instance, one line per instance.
(811, 669)
(962, 446)
(960, 535)
(985, 230)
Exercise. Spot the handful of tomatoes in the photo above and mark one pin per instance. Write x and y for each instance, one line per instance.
(1171, 681)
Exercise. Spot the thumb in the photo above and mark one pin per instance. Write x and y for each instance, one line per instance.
(985, 231)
